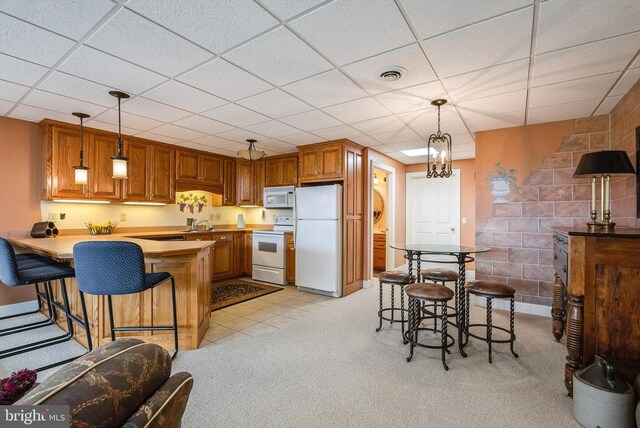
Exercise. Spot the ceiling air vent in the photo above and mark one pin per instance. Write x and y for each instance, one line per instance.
(390, 73)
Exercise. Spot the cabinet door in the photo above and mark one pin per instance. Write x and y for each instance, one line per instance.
(238, 253)
(290, 260)
(211, 170)
(289, 171)
(136, 187)
(162, 174)
(222, 258)
(229, 191)
(102, 183)
(258, 183)
(187, 166)
(309, 165)
(273, 172)
(65, 154)
(331, 162)
(244, 182)
(247, 260)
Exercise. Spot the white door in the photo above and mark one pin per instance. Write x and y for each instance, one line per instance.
(433, 209)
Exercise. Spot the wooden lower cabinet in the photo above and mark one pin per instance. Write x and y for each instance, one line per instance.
(290, 262)
(379, 251)
(223, 255)
(247, 253)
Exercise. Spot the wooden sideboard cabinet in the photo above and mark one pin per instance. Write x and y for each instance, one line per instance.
(596, 299)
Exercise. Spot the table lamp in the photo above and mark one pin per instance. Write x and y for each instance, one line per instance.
(604, 164)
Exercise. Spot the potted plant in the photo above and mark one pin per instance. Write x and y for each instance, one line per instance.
(501, 182)
(191, 201)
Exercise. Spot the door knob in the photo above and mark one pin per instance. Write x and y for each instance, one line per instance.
(453, 229)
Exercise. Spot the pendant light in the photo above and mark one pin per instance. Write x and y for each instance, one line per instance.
(119, 161)
(81, 172)
(439, 146)
(251, 153)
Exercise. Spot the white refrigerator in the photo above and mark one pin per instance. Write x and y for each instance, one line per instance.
(318, 239)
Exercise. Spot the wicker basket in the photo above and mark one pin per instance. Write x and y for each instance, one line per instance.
(100, 230)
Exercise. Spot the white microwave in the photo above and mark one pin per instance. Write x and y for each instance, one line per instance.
(279, 197)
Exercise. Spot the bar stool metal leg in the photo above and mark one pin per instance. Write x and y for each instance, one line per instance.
(51, 318)
(110, 305)
(445, 349)
(512, 325)
(402, 309)
(380, 310)
(393, 304)
(489, 321)
(175, 317)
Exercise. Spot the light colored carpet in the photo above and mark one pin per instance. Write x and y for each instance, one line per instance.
(332, 369)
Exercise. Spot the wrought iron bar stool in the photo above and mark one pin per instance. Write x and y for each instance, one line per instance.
(393, 278)
(108, 268)
(442, 276)
(28, 269)
(491, 290)
(423, 293)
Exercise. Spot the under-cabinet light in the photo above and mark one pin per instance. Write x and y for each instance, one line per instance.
(81, 201)
(145, 203)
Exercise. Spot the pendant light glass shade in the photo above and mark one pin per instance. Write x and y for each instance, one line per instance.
(251, 153)
(81, 172)
(119, 161)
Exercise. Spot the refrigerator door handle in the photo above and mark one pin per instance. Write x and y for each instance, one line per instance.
(295, 220)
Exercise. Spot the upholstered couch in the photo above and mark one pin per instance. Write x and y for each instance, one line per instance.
(126, 383)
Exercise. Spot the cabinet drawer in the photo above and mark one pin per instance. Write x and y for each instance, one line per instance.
(223, 237)
(379, 245)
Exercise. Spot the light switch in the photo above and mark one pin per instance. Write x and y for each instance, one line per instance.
(123, 216)
(464, 220)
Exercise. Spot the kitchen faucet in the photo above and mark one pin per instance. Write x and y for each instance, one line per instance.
(194, 225)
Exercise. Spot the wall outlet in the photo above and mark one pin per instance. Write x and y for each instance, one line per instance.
(217, 217)
(264, 214)
(464, 220)
(211, 216)
(63, 216)
(123, 216)
(52, 217)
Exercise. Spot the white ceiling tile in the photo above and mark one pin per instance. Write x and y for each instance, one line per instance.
(12, 91)
(365, 140)
(462, 141)
(505, 120)
(409, 57)
(184, 96)
(61, 104)
(310, 120)
(154, 110)
(314, 89)
(279, 57)
(221, 143)
(5, 106)
(489, 43)
(177, 132)
(354, 111)
(561, 112)
(302, 139)
(407, 145)
(397, 136)
(240, 135)
(608, 104)
(337, 132)
(368, 27)
(273, 129)
(275, 103)
(203, 124)
(629, 78)
(286, 9)
(19, 71)
(489, 81)
(26, 41)
(71, 18)
(586, 60)
(574, 22)
(572, 91)
(491, 106)
(383, 149)
(135, 39)
(35, 114)
(75, 87)
(235, 115)
(158, 137)
(110, 71)
(443, 16)
(429, 117)
(450, 127)
(89, 123)
(276, 146)
(413, 98)
(225, 80)
(378, 125)
(215, 25)
(128, 120)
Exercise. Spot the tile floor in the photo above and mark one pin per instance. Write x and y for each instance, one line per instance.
(262, 314)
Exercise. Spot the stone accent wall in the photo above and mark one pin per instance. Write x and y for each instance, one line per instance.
(519, 232)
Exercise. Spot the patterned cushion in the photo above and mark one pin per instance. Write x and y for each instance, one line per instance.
(106, 386)
(153, 279)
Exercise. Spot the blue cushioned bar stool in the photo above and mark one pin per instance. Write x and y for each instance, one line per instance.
(108, 268)
(32, 269)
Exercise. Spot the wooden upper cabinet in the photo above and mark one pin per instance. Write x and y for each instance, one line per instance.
(258, 183)
(229, 182)
(187, 166)
(308, 164)
(281, 171)
(321, 162)
(211, 170)
(103, 185)
(244, 182)
(151, 172)
(199, 171)
(331, 158)
(62, 153)
(162, 166)
(136, 187)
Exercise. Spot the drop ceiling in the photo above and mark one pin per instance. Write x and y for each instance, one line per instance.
(209, 74)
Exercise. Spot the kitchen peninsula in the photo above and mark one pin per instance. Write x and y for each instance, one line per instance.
(188, 261)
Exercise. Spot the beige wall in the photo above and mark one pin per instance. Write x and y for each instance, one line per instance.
(20, 188)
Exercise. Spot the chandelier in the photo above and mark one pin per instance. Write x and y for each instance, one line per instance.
(439, 148)
(251, 153)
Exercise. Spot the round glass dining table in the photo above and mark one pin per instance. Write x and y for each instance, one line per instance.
(460, 255)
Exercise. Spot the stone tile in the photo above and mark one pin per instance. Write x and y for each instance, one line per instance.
(295, 314)
(496, 254)
(599, 140)
(581, 192)
(238, 323)
(523, 255)
(543, 301)
(279, 321)
(556, 193)
(510, 270)
(512, 209)
(484, 238)
(576, 158)
(500, 279)
(537, 209)
(571, 209)
(565, 176)
(526, 194)
(311, 307)
(591, 124)
(496, 224)
(483, 268)
(524, 286)
(539, 177)
(558, 160)
(547, 224)
(545, 289)
(523, 224)
(240, 310)
(276, 309)
(218, 332)
(259, 316)
(232, 338)
(545, 257)
(259, 329)
(537, 240)
(537, 272)
(219, 317)
(574, 143)
(507, 239)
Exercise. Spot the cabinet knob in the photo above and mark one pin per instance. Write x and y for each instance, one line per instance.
(223, 237)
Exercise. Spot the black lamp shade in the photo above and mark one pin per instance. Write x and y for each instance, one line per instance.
(611, 162)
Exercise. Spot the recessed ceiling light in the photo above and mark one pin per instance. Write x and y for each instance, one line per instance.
(390, 73)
